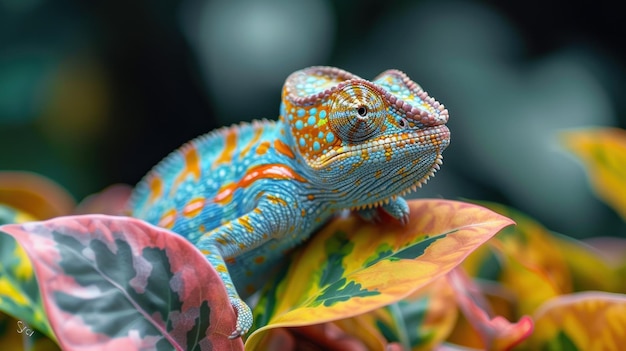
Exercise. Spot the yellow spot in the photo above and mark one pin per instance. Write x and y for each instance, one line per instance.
(262, 148)
(276, 200)
(221, 268)
(229, 148)
(205, 252)
(253, 141)
(221, 241)
(23, 270)
(245, 222)
(7, 289)
(156, 188)
(378, 173)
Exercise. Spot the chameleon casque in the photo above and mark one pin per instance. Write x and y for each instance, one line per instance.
(245, 195)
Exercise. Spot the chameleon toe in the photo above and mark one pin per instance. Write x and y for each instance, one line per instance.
(244, 317)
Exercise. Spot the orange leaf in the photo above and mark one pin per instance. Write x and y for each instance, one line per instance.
(34, 194)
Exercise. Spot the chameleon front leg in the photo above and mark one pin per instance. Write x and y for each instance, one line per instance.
(236, 237)
(396, 208)
(212, 252)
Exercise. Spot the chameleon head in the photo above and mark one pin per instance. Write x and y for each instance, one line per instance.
(367, 141)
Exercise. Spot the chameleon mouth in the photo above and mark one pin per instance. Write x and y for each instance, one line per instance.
(440, 139)
(436, 165)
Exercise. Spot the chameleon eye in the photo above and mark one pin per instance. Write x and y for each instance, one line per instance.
(362, 111)
(357, 112)
(403, 123)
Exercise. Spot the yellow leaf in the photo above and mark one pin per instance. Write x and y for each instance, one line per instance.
(590, 321)
(603, 152)
(352, 267)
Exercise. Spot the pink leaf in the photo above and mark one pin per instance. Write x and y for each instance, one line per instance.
(497, 333)
(118, 283)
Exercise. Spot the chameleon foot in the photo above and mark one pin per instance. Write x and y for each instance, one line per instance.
(244, 317)
(398, 209)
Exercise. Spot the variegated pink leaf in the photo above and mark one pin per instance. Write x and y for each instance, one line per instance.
(118, 283)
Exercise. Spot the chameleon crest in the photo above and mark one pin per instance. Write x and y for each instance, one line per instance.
(247, 194)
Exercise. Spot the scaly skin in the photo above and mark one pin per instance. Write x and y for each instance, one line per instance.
(245, 195)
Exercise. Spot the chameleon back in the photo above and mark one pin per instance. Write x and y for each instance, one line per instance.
(198, 187)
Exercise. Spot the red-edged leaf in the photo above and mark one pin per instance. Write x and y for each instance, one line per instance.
(497, 333)
(118, 283)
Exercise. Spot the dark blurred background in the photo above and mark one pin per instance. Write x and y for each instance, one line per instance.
(96, 92)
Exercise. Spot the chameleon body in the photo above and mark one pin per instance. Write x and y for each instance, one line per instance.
(245, 195)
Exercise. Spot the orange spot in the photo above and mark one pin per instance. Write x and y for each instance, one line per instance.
(283, 148)
(263, 147)
(245, 222)
(193, 207)
(192, 166)
(310, 197)
(276, 200)
(250, 289)
(269, 171)
(230, 260)
(192, 161)
(156, 188)
(168, 219)
(388, 152)
(225, 193)
(202, 228)
(378, 173)
(230, 143)
(259, 259)
(221, 268)
(303, 213)
(255, 139)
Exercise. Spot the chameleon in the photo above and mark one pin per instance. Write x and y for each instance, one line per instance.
(245, 195)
